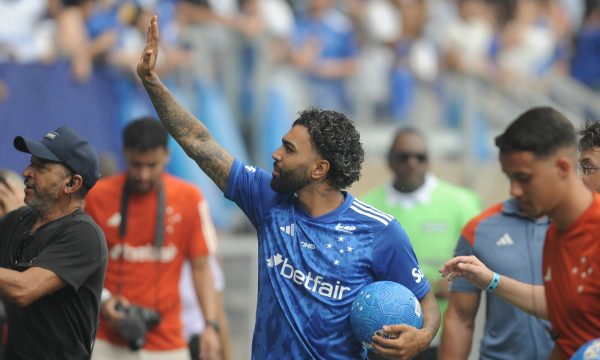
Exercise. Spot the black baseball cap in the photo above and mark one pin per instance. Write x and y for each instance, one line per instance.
(65, 146)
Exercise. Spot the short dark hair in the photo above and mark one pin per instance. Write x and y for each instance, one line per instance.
(591, 6)
(145, 134)
(336, 139)
(590, 135)
(541, 130)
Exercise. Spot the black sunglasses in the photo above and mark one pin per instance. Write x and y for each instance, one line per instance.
(404, 157)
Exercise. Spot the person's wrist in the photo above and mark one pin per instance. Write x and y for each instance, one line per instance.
(491, 288)
(424, 340)
(213, 324)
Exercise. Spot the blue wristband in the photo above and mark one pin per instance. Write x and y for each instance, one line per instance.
(493, 284)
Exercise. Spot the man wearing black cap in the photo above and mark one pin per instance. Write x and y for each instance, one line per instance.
(52, 254)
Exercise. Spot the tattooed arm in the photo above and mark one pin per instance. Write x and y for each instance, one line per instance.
(190, 133)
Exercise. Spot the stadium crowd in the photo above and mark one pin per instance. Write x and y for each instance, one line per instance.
(265, 58)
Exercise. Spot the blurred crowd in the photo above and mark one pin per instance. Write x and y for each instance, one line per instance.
(258, 61)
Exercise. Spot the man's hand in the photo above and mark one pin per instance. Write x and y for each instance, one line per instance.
(210, 345)
(11, 198)
(146, 65)
(470, 268)
(409, 341)
(111, 313)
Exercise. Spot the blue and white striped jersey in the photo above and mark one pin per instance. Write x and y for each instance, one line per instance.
(311, 269)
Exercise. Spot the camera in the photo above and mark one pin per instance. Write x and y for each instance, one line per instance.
(138, 320)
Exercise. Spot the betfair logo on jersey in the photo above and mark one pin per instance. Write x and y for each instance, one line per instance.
(144, 253)
(348, 229)
(315, 284)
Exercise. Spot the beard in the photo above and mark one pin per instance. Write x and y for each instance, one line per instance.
(42, 200)
(140, 187)
(409, 184)
(290, 181)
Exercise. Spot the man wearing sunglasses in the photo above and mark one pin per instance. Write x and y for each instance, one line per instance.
(432, 211)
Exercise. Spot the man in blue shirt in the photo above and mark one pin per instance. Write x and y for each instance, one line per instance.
(318, 245)
(324, 49)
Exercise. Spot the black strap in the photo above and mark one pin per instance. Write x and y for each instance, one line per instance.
(159, 234)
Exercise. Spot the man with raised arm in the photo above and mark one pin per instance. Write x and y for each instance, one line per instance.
(317, 245)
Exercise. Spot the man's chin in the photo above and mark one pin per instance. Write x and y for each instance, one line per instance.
(276, 188)
(279, 189)
(532, 213)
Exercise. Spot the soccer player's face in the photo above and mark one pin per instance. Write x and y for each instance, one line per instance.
(589, 168)
(534, 182)
(409, 161)
(144, 168)
(293, 161)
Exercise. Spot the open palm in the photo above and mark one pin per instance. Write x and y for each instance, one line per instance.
(146, 65)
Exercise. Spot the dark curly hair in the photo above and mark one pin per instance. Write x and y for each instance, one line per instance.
(334, 136)
(590, 136)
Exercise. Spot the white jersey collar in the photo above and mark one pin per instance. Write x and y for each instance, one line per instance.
(420, 196)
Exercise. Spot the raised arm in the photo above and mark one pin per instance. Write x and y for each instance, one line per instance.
(188, 131)
(527, 297)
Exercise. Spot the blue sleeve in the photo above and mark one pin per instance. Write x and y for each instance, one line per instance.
(394, 259)
(351, 50)
(463, 247)
(300, 35)
(250, 189)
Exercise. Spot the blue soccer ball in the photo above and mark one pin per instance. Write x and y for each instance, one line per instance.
(383, 303)
(588, 351)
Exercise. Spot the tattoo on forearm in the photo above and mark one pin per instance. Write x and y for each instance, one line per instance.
(191, 134)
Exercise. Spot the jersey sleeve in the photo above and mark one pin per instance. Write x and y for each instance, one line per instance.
(394, 260)
(74, 253)
(459, 284)
(250, 189)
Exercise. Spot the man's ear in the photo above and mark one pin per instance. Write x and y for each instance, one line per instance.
(74, 184)
(564, 165)
(321, 169)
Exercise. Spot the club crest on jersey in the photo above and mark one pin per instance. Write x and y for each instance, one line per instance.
(348, 229)
(250, 168)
